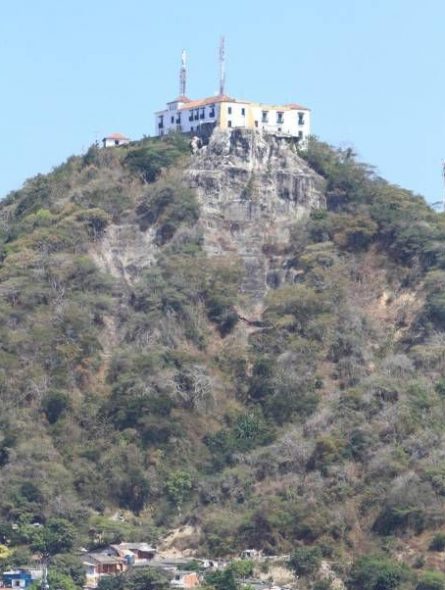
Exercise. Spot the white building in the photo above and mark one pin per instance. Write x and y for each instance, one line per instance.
(200, 116)
(192, 116)
(115, 139)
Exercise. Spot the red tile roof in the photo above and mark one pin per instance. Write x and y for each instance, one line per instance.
(117, 136)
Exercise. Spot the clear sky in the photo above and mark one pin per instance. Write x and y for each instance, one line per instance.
(372, 71)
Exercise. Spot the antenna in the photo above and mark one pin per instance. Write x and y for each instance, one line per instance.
(443, 189)
(183, 74)
(222, 66)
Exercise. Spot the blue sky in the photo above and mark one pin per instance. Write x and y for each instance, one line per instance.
(371, 70)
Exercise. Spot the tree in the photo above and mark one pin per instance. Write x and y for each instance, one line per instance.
(57, 536)
(222, 580)
(179, 486)
(305, 561)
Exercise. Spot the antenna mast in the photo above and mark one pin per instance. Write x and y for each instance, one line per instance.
(222, 66)
(443, 189)
(183, 74)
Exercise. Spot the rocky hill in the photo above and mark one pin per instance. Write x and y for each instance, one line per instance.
(247, 340)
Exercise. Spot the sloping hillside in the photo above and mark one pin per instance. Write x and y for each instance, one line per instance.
(241, 340)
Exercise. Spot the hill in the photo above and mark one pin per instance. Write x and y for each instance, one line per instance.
(248, 340)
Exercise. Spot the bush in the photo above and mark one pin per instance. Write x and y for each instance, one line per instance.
(438, 542)
(305, 561)
(431, 580)
(377, 573)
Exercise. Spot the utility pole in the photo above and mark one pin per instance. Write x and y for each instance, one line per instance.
(183, 74)
(222, 66)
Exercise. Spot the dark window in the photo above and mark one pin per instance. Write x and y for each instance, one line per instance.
(280, 118)
(300, 135)
(229, 110)
(301, 118)
(197, 115)
(256, 123)
(229, 124)
(279, 128)
(191, 128)
(212, 111)
(265, 117)
(203, 113)
(172, 119)
(116, 142)
(243, 112)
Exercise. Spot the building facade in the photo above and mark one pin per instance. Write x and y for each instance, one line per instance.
(192, 116)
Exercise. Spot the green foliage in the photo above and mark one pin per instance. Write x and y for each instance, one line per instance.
(377, 573)
(222, 580)
(438, 542)
(431, 580)
(149, 159)
(57, 536)
(242, 568)
(305, 561)
(54, 405)
(178, 487)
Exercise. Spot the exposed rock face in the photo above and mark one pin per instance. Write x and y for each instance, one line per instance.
(253, 189)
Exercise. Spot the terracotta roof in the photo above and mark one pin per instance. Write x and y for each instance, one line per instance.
(193, 104)
(116, 136)
(297, 107)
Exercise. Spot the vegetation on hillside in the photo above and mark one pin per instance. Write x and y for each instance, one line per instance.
(319, 433)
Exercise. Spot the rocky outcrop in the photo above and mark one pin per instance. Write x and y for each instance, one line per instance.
(253, 189)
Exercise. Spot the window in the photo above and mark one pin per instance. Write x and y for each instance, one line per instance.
(300, 135)
(203, 114)
(301, 118)
(265, 117)
(256, 123)
(229, 110)
(280, 119)
(178, 118)
(229, 123)
(191, 128)
(190, 115)
(197, 115)
(243, 112)
(212, 111)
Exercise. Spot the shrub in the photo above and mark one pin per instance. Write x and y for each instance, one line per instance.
(431, 580)
(377, 573)
(438, 542)
(305, 561)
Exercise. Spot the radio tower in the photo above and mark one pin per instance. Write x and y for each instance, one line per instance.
(443, 188)
(222, 66)
(183, 74)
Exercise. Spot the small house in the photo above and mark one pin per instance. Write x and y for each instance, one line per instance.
(20, 578)
(184, 579)
(115, 139)
(99, 564)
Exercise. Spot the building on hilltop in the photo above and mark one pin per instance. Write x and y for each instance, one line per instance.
(115, 139)
(201, 116)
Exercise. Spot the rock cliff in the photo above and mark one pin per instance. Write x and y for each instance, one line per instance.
(253, 190)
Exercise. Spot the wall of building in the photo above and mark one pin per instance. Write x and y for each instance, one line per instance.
(270, 118)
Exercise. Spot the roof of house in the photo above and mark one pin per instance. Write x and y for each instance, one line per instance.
(135, 546)
(117, 136)
(105, 559)
(202, 102)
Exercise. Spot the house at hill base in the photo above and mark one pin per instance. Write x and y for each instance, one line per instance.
(185, 579)
(200, 117)
(133, 553)
(98, 565)
(20, 578)
(114, 140)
